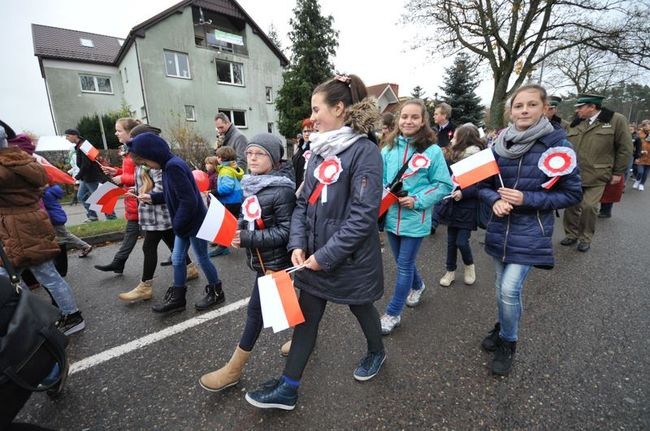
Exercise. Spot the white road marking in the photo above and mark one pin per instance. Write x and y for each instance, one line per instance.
(123, 349)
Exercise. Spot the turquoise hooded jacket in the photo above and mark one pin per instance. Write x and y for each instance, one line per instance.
(427, 185)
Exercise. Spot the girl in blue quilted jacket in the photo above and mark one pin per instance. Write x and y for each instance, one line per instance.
(519, 233)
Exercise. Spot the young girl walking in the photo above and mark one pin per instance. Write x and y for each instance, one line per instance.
(460, 211)
(424, 183)
(520, 232)
(334, 232)
(187, 211)
(271, 183)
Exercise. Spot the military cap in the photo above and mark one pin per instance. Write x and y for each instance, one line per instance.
(554, 101)
(584, 99)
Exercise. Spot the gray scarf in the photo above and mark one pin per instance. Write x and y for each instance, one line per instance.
(521, 140)
(251, 184)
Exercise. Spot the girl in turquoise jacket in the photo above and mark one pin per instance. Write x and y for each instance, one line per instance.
(424, 183)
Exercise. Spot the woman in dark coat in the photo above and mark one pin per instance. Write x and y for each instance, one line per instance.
(519, 234)
(334, 232)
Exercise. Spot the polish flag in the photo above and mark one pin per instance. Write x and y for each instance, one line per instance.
(388, 199)
(279, 303)
(105, 198)
(54, 174)
(475, 168)
(219, 226)
(90, 151)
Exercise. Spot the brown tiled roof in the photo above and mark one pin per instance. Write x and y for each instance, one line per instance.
(377, 90)
(64, 44)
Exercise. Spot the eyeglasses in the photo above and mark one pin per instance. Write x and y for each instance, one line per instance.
(255, 154)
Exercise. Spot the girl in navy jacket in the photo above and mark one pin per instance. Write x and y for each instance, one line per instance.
(520, 231)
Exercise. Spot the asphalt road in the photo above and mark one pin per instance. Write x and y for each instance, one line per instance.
(582, 360)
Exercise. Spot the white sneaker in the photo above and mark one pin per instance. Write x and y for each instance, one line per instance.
(388, 323)
(414, 296)
(636, 184)
(641, 187)
(448, 278)
(470, 274)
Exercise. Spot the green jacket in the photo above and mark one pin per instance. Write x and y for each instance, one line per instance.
(604, 148)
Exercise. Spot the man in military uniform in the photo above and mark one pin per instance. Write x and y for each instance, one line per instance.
(551, 113)
(601, 140)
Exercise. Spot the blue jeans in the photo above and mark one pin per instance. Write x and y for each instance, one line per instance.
(510, 279)
(458, 239)
(87, 188)
(405, 250)
(200, 247)
(46, 274)
(642, 175)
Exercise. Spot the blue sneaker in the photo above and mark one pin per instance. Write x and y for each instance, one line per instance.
(276, 394)
(369, 366)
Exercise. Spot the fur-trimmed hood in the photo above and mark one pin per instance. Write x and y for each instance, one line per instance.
(363, 116)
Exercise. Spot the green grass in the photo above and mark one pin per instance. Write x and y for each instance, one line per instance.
(98, 227)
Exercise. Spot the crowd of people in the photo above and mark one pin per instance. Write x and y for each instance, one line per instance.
(319, 212)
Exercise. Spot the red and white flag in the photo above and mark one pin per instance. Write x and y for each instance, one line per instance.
(279, 303)
(54, 174)
(219, 226)
(388, 199)
(475, 168)
(90, 151)
(105, 197)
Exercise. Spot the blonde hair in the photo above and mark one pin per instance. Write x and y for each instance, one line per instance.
(146, 180)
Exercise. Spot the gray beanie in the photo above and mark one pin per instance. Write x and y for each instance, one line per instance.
(269, 143)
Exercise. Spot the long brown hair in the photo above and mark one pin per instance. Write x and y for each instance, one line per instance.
(465, 136)
(128, 123)
(424, 138)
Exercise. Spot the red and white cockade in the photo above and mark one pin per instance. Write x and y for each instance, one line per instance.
(326, 173)
(556, 162)
(252, 212)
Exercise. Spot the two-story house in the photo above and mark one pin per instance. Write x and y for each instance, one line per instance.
(191, 61)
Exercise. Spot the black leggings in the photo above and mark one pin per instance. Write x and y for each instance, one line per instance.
(253, 320)
(304, 335)
(150, 249)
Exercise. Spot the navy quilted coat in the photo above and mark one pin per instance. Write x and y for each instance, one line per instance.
(525, 236)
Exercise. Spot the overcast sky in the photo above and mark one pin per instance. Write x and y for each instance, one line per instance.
(372, 44)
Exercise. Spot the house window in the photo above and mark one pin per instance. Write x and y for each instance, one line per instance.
(189, 113)
(269, 95)
(230, 73)
(237, 117)
(269, 127)
(86, 42)
(96, 84)
(177, 64)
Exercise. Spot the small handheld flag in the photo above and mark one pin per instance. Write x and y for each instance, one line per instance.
(105, 197)
(54, 174)
(90, 151)
(219, 226)
(279, 303)
(475, 168)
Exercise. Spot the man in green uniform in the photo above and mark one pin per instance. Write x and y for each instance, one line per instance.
(551, 113)
(601, 140)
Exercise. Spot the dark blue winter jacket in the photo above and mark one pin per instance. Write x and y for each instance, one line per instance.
(180, 193)
(525, 236)
(51, 196)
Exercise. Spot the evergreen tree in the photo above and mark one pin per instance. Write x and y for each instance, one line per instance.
(459, 86)
(313, 42)
(417, 92)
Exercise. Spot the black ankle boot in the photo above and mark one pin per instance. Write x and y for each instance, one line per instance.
(490, 342)
(174, 301)
(213, 295)
(503, 357)
(117, 266)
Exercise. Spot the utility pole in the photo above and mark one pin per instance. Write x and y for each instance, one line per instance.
(101, 129)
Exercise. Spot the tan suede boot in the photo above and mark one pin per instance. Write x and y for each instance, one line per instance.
(284, 350)
(228, 375)
(470, 274)
(143, 291)
(192, 272)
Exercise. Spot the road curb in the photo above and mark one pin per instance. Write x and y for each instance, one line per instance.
(104, 238)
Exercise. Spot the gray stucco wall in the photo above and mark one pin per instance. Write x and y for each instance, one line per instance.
(69, 103)
(168, 94)
(130, 74)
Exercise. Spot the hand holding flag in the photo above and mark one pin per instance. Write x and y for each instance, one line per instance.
(219, 226)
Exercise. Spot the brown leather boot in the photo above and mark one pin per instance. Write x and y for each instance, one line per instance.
(228, 375)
